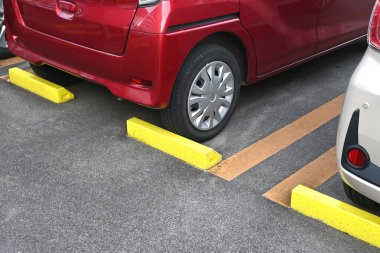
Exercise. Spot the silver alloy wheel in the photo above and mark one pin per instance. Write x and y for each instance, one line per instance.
(211, 95)
(3, 41)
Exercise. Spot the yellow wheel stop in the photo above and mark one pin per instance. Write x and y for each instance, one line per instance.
(182, 148)
(39, 86)
(337, 214)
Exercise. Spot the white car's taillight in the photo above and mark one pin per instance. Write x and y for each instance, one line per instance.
(374, 27)
(147, 2)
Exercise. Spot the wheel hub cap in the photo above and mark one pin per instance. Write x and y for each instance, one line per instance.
(211, 95)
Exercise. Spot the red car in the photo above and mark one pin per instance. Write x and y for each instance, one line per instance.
(186, 57)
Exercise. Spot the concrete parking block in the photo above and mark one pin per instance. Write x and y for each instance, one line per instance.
(339, 215)
(182, 148)
(39, 86)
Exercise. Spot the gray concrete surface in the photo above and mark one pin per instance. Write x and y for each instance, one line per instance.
(71, 181)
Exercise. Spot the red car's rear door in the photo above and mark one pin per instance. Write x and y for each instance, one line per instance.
(342, 20)
(283, 31)
(99, 24)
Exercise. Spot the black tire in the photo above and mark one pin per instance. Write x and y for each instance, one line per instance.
(4, 53)
(175, 116)
(55, 75)
(359, 198)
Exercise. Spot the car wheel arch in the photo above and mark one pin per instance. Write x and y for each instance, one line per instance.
(235, 44)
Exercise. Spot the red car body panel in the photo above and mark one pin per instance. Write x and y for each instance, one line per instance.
(342, 20)
(283, 31)
(115, 42)
(83, 27)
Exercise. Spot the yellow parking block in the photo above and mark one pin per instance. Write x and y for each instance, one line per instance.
(339, 215)
(182, 148)
(39, 86)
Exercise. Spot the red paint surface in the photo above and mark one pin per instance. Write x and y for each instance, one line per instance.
(112, 42)
(341, 20)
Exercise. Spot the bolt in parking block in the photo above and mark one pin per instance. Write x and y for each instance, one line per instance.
(339, 215)
(182, 148)
(39, 86)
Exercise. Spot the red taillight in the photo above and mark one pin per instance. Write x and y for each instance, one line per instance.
(374, 27)
(357, 157)
(141, 82)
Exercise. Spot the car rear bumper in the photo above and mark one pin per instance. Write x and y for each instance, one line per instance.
(362, 99)
(94, 66)
(154, 58)
(143, 60)
(140, 61)
(367, 189)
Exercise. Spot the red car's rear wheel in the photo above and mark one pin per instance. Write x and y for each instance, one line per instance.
(205, 93)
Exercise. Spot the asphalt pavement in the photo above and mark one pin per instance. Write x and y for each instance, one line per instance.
(72, 181)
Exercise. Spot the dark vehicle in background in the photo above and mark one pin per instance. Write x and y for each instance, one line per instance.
(4, 52)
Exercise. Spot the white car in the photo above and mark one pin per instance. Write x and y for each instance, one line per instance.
(358, 140)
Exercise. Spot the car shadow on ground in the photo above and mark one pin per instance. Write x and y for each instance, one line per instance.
(263, 107)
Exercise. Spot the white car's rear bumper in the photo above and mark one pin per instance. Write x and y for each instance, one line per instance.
(360, 185)
(363, 96)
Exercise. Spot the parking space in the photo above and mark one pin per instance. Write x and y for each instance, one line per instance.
(71, 179)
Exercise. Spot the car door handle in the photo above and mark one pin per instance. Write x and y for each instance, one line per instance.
(67, 6)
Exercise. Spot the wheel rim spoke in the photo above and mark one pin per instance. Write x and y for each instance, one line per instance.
(198, 90)
(227, 92)
(227, 77)
(195, 115)
(223, 102)
(206, 116)
(218, 117)
(211, 119)
(211, 71)
(205, 76)
(218, 75)
(198, 100)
